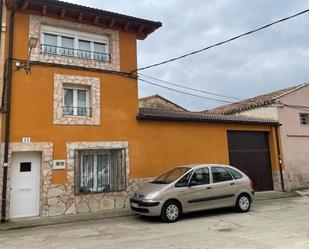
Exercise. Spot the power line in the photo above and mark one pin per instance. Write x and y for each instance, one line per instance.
(298, 107)
(221, 43)
(190, 88)
(186, 93)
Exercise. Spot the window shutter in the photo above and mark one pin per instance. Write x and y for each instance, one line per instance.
(118, 170)
(77, 158)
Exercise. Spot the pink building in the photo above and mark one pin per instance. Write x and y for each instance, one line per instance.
(290, 106)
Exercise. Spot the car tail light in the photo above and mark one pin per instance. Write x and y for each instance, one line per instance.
(251, 184)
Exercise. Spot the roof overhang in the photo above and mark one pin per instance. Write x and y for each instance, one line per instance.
(171, 115)
(87, 15)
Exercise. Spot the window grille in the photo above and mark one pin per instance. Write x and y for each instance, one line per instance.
(100, 171)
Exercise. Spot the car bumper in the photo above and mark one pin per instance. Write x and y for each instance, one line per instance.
(146, 207)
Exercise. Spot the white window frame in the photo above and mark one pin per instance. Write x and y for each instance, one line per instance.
(95, 188)
(76, 35)
(75, 100)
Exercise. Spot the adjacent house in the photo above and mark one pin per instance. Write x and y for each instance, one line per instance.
(157, 101)
(75, 139)
(290, 106)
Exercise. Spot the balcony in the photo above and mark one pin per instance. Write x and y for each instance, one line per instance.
(75, 53)
(77, 111)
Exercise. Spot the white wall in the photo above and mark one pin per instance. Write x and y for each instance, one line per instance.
(268, 112)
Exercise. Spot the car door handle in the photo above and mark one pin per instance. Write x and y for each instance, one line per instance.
(208, 188)
(232, 183)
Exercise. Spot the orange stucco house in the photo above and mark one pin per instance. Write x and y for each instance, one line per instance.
(74, 139)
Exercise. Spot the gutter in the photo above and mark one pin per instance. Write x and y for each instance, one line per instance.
(8, 111)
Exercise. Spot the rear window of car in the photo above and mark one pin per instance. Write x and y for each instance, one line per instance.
(220, 174)
(234, 173)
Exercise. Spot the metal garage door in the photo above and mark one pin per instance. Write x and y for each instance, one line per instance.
(249, 152)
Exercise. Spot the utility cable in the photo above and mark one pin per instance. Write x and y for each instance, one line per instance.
(186, 93)
(190, 88)
(220, 43)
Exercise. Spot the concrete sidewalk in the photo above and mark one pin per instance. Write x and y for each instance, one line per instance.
(37, 221)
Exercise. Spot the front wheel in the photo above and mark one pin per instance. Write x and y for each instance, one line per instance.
(243, 203)
(171, 212)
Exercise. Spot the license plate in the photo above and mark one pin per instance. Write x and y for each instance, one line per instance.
(133, 204)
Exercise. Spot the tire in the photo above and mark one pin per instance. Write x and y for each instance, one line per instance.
(171, 212)
(243, 203)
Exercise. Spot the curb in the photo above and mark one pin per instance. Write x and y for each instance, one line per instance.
(38, 222)
(272, 195)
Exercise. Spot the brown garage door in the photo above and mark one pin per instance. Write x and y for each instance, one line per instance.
(249, 152)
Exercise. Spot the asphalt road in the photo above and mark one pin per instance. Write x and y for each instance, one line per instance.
(281, 223)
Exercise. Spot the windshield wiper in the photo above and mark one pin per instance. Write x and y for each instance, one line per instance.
(158, 182)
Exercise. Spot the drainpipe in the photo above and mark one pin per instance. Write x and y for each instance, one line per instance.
(280, 158)
(8, 111)
(1, 10)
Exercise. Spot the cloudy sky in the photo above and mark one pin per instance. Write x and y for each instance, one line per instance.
(265, 61)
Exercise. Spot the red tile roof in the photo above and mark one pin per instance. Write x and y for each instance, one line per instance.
(255, 102)
(172, 115)
(157, 101)
(88, 15)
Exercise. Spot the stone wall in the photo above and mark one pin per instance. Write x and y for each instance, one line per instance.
(277, 180)
(60, 199)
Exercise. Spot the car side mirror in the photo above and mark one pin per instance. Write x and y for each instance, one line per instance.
(192, 183)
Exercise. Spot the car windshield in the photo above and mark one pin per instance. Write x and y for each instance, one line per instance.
(170, 176)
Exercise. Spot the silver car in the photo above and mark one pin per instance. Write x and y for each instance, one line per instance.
(193, 188)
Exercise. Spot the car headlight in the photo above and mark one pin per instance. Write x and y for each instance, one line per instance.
(151, 196)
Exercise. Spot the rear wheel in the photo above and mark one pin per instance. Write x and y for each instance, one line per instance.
(243, 203)
(171, 212)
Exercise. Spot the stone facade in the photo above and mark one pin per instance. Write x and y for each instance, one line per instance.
(277, 180)
(113, 35)
(94, 85)
(60, 199)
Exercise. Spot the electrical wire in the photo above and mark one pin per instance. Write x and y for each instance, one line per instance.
(298, 107)
(190, 88)
(186, 93)
(221, 43)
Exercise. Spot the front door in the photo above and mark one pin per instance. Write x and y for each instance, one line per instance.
(25, 184)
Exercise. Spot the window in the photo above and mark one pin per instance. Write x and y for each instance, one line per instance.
(25, 167)
(100, 171)
(234, 173)
(71, 43)
(304, 118)
(76, 102)
(220, 174)
(171, 175)
(200, 177)
(183, 182)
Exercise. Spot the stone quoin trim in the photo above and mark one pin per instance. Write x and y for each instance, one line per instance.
(62, 198)
(35, 31)
(93, 83)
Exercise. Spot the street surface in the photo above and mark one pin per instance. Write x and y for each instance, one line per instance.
(281, 223)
